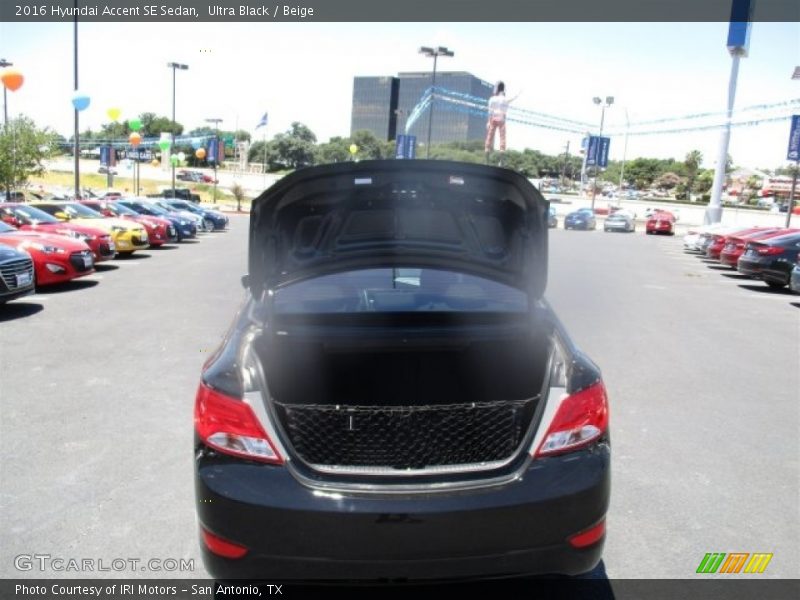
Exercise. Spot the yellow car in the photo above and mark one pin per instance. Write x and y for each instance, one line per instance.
(128, 236)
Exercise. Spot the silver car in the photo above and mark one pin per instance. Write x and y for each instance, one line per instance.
(619, 221)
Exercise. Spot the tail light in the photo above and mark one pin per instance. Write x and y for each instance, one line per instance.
(581, 419)
(588, 537)
(230, 426)
(222, 547)
(769, 250)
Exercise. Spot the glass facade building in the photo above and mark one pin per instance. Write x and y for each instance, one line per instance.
(383, 104)
(374, 106)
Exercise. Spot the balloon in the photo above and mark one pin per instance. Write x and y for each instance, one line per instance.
(164, 145)
(181, 156)
(353, 148)
(174, 159)
(113, 113)
(12, 79)
(154, 163)
(200, 153)
(135, 139)
(80, 101)
(134, 124)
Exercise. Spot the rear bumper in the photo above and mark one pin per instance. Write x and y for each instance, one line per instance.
(294, 532)
(749, 267)
(729, 259)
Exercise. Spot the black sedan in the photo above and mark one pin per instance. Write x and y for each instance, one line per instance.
(583, 218)
(395, 399)
(771, 259)
(16, 274)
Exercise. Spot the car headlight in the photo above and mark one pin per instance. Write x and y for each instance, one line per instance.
(45, 248)
(119, 229)
(184, 222)
(81, 236)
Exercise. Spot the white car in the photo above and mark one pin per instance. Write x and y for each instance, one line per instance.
(691, 240)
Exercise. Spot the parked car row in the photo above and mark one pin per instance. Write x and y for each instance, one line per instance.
(48, 243)
(657, 221)
(771, 254)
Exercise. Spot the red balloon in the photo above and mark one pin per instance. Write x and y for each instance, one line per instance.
(12, 79)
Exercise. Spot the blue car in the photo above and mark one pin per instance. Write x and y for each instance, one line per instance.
(212, 220)
(583, 218)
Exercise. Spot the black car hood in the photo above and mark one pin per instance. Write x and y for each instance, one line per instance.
(466, 217)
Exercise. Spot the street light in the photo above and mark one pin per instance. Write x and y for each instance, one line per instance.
(216, 123)
(435, 53)
(597, 100)
(3, 64)
(174, 66)
(624, 154)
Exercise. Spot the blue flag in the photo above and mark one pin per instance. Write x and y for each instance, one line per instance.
(262, 122)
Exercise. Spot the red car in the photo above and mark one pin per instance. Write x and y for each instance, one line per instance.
(29, 218)
(56, 258)
(660, 222)
(159, 231)
(734, 244)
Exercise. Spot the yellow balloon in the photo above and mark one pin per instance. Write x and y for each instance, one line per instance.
(353, 148)
(113, 113)
(155, 163)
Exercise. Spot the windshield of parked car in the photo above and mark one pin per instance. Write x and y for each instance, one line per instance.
(5, 228)
(399, 290)
(120, 210)
(31, 216)
(80, 211)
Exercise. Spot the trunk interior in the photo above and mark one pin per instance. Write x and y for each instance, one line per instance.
(389, 398)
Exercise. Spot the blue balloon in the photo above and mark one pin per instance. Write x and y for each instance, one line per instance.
(80, 101)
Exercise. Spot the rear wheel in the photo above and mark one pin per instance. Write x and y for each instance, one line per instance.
(208, 224)
(775, 285)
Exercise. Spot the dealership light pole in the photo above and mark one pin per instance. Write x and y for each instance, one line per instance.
(216, 123)
(738, 44)
(603, 106)
(3, 64)
(624, 154)
(435, 53)
(174, 66)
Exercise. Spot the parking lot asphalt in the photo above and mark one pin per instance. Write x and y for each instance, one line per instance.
(97, 384)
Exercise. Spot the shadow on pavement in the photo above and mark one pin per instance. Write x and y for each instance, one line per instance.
(736, 276)
(163, 247)
(69, 286)
(18, 310)
(134, 256)
(765, 289)
(103, 267)
(795, 304)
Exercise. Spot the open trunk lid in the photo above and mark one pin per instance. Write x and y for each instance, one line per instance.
(464, 217)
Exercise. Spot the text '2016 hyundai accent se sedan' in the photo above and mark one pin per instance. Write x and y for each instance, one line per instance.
(395, 398)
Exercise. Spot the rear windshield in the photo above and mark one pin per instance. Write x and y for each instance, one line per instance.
(398, 290)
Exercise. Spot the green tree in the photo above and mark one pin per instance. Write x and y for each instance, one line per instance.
(154, 126)
(23, 147)
(369, 146)
(334, 150)
(301, 132)
(692, 165)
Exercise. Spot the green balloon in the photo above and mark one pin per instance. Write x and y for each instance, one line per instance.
(163, 144)
(134, 124)
(174, 159)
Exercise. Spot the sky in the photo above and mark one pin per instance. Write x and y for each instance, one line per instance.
(304, 72)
